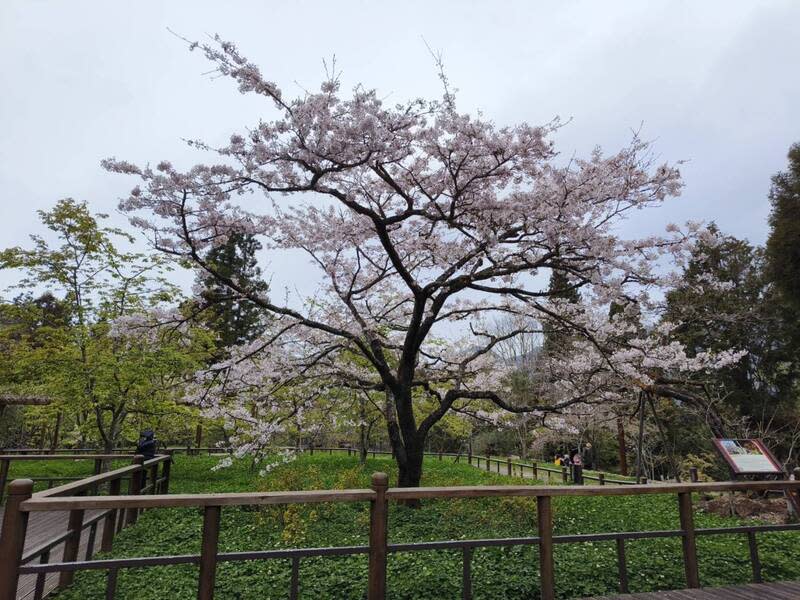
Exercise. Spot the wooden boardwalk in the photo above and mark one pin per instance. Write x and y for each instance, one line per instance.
(789, 590)
(44, 526)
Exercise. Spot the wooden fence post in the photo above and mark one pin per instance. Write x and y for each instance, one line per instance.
(165, 473)
(208, 553)
(378, 537)
(693, 474)
(12, 537)
(544, 517)
(134, 487)
(565, 474)
(98, 468)
(110, 524)
(508, 463)
(535, 471)
(622, 566)
(488, 462)
(71, 546)
(601, 478)
(5, 465)
(689, 545)
(154, 479)
(469, 457)
(198, 435)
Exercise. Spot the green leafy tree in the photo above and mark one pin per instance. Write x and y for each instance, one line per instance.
(95, 370)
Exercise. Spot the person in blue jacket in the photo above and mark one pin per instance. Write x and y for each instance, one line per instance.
(147, 444)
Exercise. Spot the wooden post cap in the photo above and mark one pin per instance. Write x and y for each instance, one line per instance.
(380, 480)
(20, 487)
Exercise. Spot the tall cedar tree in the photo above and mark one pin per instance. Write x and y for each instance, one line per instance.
(783, 244)
(746, 314)
(555, 337)
(235, 319)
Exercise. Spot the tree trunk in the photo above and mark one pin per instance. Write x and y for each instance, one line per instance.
(623, 457)
(410, 466)
(408, 444)
(363, 436)
(57, 430)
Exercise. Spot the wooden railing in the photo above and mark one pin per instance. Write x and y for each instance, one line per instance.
(546, 471)
(506, 466)
(142, 477)
(99, 459)
(128, 451)
(22, 503)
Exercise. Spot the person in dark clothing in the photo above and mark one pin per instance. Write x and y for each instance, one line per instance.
(147, 444)
(588, 456)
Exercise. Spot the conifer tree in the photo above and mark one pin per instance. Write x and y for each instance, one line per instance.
(235, 319)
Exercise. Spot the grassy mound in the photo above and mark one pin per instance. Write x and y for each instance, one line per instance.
(581, 569)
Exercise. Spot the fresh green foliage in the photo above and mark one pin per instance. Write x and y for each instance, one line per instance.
(581, 569)
(60, 345)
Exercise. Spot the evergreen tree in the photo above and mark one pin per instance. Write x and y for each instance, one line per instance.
(746, 313)
(733, 314)
(556, 336)
(235, 319)
(783, 244)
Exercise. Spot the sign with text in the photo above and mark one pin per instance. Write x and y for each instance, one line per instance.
(748, 457)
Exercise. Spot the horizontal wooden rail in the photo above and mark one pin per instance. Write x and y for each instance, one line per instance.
(7, 459)
(150, 561)
(24, 457)
(95, 480)
(43, 503)
(36, 552)
(588, 490)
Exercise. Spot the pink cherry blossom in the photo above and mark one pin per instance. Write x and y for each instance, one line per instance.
(421, 221)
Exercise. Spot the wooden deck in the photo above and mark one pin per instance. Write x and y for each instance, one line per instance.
(43, 526)
(789, 590)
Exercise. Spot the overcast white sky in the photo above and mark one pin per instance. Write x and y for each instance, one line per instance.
(714, 83)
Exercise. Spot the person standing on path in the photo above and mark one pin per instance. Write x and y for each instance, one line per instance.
(577, 469)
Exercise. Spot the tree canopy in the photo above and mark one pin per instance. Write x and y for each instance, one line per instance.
(69, 343)
(422, 220)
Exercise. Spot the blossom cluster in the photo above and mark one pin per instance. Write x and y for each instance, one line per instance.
(421, 221)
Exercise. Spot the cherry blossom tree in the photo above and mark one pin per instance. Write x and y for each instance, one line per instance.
(425, 224)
